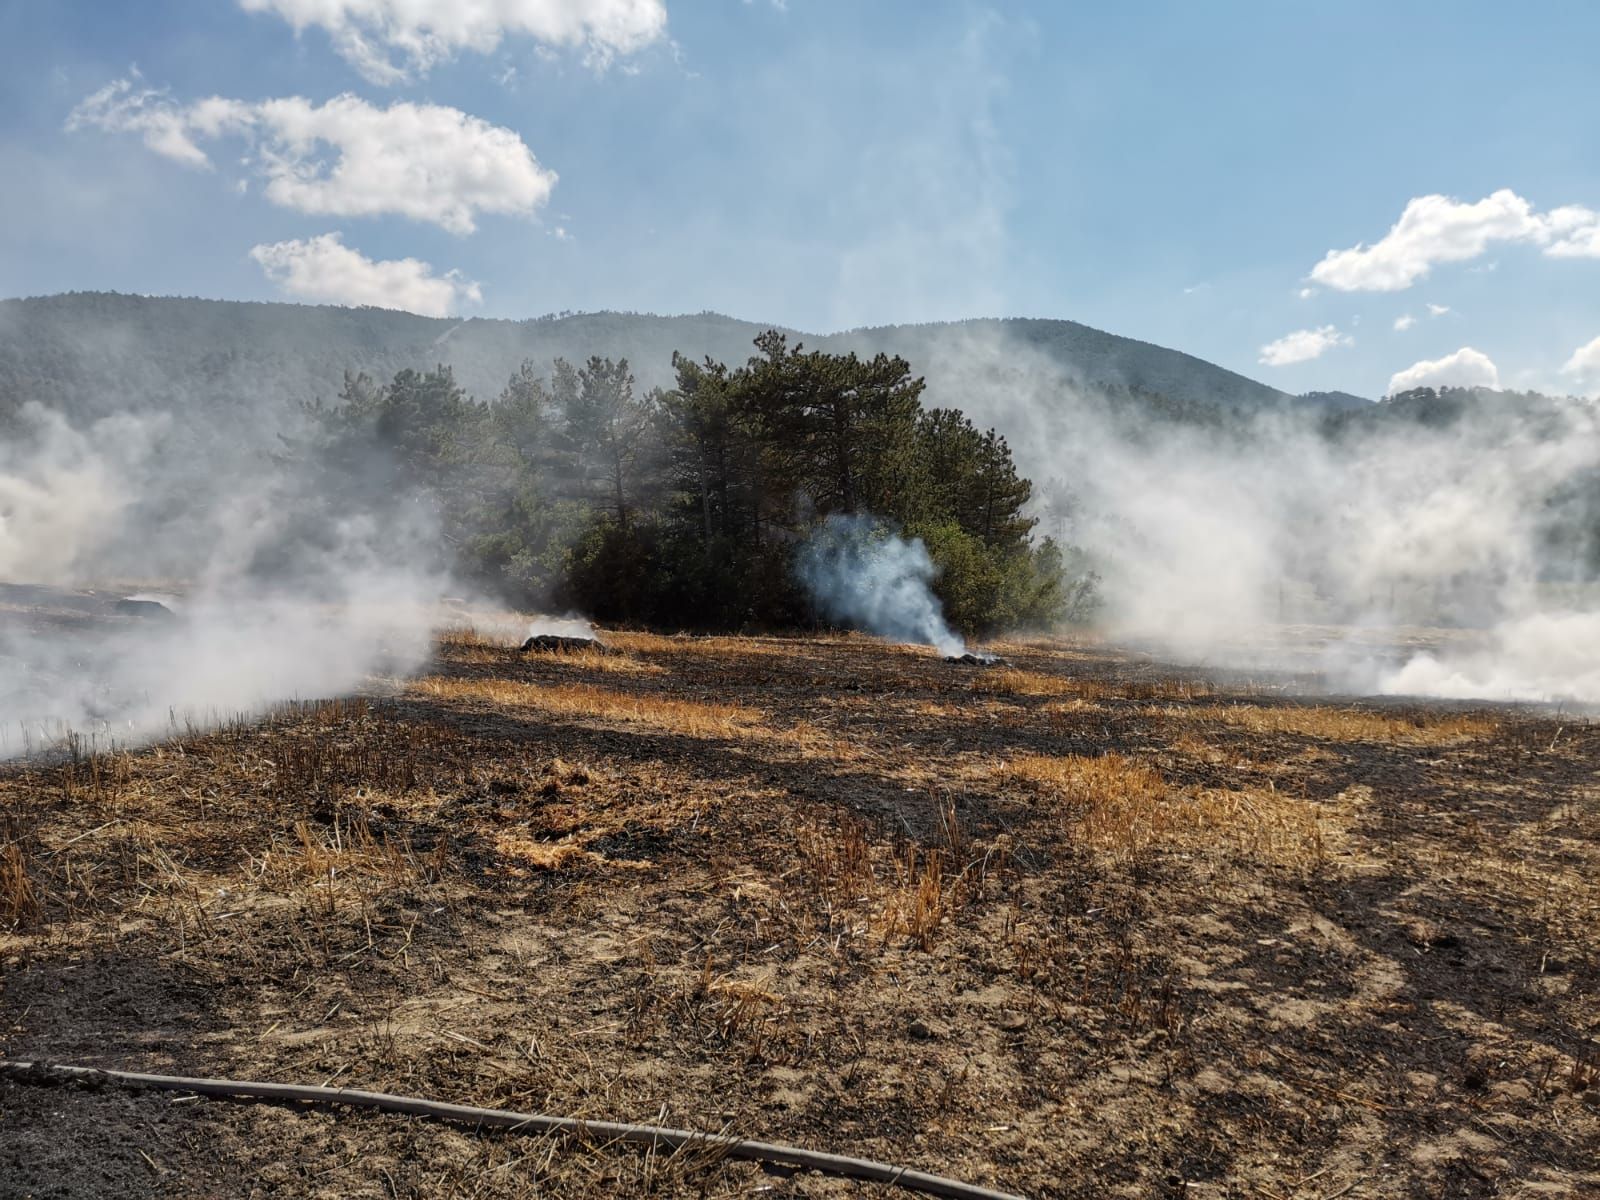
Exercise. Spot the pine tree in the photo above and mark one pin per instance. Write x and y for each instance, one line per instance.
(604, 425)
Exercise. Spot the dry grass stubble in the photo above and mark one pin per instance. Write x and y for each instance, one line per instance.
(1124, 807)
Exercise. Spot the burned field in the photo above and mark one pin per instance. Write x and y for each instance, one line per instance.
(1076, 925)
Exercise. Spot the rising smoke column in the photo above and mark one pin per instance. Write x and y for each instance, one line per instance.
(861, 572)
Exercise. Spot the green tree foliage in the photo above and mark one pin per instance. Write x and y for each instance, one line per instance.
(839, 430)
(518, 526)
(969, 478)
(603, 427)
(684, 507)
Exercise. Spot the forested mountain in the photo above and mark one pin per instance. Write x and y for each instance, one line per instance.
(1335, 401)
(662, 469)
(88, 354)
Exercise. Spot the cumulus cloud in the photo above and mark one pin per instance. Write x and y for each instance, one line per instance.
(1438, 229)
(1301, 346)
(1465, 368)
(1574, 232)
(324, 268)
(1585, 361)
(127, 106)
(344, 158)
(1404, 322)
(373, 34)
(1438, 310)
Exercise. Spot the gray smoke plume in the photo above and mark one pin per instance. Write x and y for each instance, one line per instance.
(861, 572)
(254, 590)
(1444, 555)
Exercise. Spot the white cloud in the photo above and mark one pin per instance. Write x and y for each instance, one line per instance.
(325, 269)
(1438, 310)
(1585, 361)
(1404, 322)
(1306, 293)
(1581, 243)
(1574, 232)
(1301, 346)
(346, 157)
(125, 106)
(1465, 368)
(369, 34)
(1437, 229)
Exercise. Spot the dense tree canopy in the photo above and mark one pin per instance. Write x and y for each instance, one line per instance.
(684, 506)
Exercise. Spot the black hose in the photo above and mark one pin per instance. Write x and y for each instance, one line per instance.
(572, 1127)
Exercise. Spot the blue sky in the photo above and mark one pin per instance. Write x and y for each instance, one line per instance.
(1174, 172)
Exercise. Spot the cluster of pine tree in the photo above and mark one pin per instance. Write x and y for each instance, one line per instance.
(684, 507)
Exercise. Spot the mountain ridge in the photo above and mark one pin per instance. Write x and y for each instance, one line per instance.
(91, 353)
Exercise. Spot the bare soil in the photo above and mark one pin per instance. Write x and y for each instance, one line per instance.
(1082, 925)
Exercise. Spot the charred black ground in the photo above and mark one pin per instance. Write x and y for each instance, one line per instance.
(1082, 925)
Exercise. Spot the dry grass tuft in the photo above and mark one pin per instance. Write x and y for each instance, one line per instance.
(812, 741)
(1240, 755)
(608, 662)
(919, 902)
(336, 711)
(19, 901)
(468, 646)
(837, 864)
(909, 893)
(347, 851)
(1010, 681)
(719, 647)
(740, 1008)
(1345, 724)
(532, 854)
(1165, 689)
(469, 637)
(1120, 804)
(1263, 823)
(1013, 681)
(96, 776)
(1124, 807)
(583, 700)
(309, 766)
(485, 653)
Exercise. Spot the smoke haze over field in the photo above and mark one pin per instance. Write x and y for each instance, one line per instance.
(1211, 515)
(1206, 530)
(277, 598)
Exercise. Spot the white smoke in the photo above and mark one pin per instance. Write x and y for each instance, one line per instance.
(64, 490)
(1539, 657)
(859, 571)
(267, 596)
(569, 626)
(1211, 538)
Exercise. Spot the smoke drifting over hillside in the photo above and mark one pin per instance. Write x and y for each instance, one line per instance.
(275, 596)
(1206, 533)
(1214, 518)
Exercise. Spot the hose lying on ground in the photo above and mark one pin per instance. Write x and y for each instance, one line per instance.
(648, 1135)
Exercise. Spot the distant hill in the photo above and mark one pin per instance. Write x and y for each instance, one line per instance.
(1086, 356)
(248, 364)
(1336, 401)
